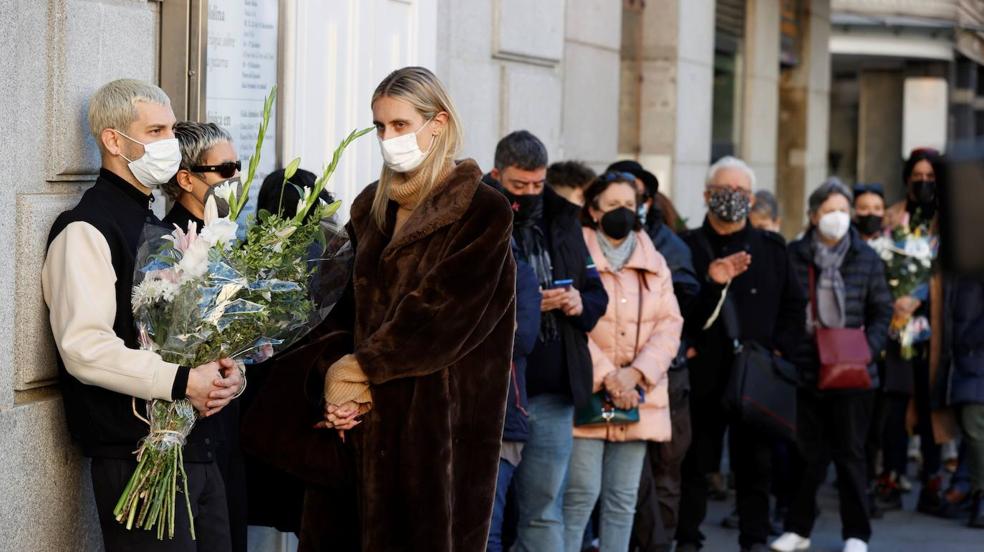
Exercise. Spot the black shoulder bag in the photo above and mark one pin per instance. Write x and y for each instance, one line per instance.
(761, 389)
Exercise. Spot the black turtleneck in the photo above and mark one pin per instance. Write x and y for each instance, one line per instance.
(181, 216)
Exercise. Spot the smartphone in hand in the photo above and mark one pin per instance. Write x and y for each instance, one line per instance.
(562, 284)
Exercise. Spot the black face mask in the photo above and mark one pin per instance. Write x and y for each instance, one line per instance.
(924, 192)
(618, 223)
(527, 209)
(869, 225)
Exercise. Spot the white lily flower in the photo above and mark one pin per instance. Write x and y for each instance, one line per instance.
(221, 232)
(226, 191)
(194, 262)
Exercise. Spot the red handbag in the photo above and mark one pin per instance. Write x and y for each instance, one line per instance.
(844, 352)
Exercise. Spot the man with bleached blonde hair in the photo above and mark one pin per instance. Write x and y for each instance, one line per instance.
(87, 281)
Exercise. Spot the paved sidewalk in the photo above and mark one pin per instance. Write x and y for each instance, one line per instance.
(905, 531)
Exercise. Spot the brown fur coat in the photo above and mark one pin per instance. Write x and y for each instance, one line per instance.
(434, 312)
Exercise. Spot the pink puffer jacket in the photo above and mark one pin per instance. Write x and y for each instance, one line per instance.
(613, 340)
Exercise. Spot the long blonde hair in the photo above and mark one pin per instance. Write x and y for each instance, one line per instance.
(420, 88)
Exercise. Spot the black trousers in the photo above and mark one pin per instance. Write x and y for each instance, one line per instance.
(888, 434)
(751, 454)
(838, 425)
(208, 506)
(931, 451)
(658, 505)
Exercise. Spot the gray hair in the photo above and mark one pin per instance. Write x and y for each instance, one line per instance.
(114, 105)
(729, 162)
(831, 186)
(767, 204)
(195, 139)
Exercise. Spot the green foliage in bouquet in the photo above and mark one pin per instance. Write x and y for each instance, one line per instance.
(215, 297)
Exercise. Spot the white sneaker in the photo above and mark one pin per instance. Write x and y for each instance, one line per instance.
(855, 545)
(791, 542)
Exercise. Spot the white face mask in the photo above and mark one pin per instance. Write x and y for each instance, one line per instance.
(834, 225)
(401, 153)
(160, 161)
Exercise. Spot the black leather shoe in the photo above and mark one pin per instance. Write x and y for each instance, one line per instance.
(874, 511)
(731, 520)
(930, 500)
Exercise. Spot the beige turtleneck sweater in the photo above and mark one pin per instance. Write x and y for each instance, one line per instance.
(345, 380)
(406, 190)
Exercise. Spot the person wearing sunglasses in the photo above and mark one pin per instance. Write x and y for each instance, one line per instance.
(208, 160)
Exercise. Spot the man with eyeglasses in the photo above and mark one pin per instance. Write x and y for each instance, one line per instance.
(208, 160)
(548, 236)
(748, 268)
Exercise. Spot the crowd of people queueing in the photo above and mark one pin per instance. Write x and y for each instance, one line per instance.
(534, 358)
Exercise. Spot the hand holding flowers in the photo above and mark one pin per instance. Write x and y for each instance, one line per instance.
(908, 256)
(206, 295)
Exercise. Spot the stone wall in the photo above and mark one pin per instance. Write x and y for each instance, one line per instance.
(55, 54)
(550, 67)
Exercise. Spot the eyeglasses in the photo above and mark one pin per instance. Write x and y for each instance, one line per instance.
(226, 170)
(875, 188)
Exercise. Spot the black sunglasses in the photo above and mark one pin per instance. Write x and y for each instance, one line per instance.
(225, 170)
(861, 189)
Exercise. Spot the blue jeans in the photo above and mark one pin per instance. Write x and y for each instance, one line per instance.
(611, 471)
(542, 474)
(506, 471)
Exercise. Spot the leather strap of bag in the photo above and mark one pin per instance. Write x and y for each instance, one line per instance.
(725, 308)
(639, 317)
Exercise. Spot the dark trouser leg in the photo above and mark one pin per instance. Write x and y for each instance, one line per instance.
(208, 506)
(752, 452)
(787, 468)
(876, 433)
(847, 421)
(931, 451)
(810, 440)
(660, 488)
(506, 471)
(708, 424)
(647, 527)
(895, 444)
(668, 464)
(972, 424)
(330, 521)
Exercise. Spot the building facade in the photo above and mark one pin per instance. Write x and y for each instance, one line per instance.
(906, 74)
(673, 83)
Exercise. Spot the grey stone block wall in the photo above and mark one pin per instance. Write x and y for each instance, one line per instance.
(550, 67)
(53, 55)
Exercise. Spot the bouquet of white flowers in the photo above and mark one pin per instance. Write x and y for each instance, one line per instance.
(204, 295)
(908, 256)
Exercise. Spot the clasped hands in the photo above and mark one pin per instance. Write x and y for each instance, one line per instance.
(347, 396)
(622, 386)
(212, 386)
